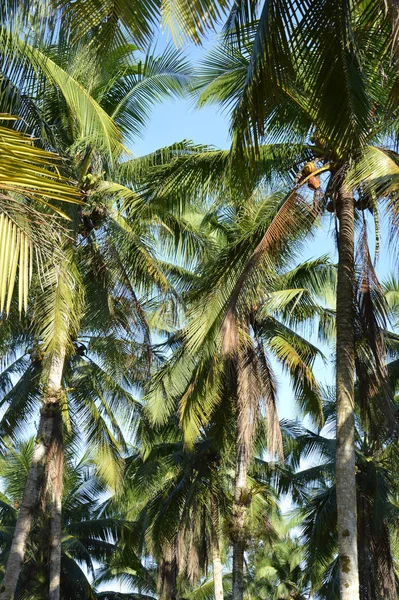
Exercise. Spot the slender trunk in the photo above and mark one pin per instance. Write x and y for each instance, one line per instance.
(239, 514)
(55, 472)
(367, 587)
(168, 573)
(242, 499)
(345, 359)
(35, 481)
(30, 501)
(384, 568)
(216, 562)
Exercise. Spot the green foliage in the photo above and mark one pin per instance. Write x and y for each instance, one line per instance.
(170, 287)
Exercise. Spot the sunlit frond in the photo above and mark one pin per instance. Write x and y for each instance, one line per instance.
(30, 171)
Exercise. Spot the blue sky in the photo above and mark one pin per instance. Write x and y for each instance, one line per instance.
(176, 120)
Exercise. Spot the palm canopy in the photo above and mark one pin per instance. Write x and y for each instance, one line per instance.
(103, 98)
(29, 181)
(246, 284)
(305, 65)
(83, 107)
(97, 305)
(170, 492)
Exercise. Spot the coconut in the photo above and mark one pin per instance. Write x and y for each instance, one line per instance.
(314, 183)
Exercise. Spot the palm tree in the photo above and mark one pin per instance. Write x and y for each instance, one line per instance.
(181, 501)
(300, 136)
(376, 456)
(221, 366)
(315, 490)
(126, 95)
(28, 181)
(276, 571)
(184, 500)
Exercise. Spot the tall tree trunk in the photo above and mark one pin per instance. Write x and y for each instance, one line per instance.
(35, 482)
(216, 562)
(239, 514)
(246, 408)
(54, 478)
(384, 567)
(366, 574)
(167, 581)
(345, 368)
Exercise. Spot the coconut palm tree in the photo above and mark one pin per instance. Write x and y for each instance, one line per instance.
(88, 137)
(291, 72)
(300, 137)
(376, 457)
(181, 501)
(28, 181)
(221, 365)
(376, 503)
(276, 570)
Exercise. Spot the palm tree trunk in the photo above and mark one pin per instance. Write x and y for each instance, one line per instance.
(216, 562)
(366, 573)
(345, 368)
(168, 573)
(35, 481)
(246, 410)
(55, 473)
(384, 567)
(241, 499)
(239, 514)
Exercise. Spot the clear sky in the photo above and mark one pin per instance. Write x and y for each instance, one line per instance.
(175, 120)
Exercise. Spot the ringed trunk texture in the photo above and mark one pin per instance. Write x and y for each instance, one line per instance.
(167, 581)
(35, 482)
(238, 570)
(216, 562)
(239, 514)
(55, 473)
(246, 407)
(345, 369)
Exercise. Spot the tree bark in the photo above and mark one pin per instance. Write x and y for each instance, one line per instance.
(345, 368)
(245, 428)
(168, 573)
(241, 492)
(55, 473)
(35, 482)
(238, 570)
(216, 562)
(239, 514)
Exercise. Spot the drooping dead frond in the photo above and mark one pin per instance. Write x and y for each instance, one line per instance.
(293, 216)
(248, 398)
(371, 310)
(269, 396)
(229, 332)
